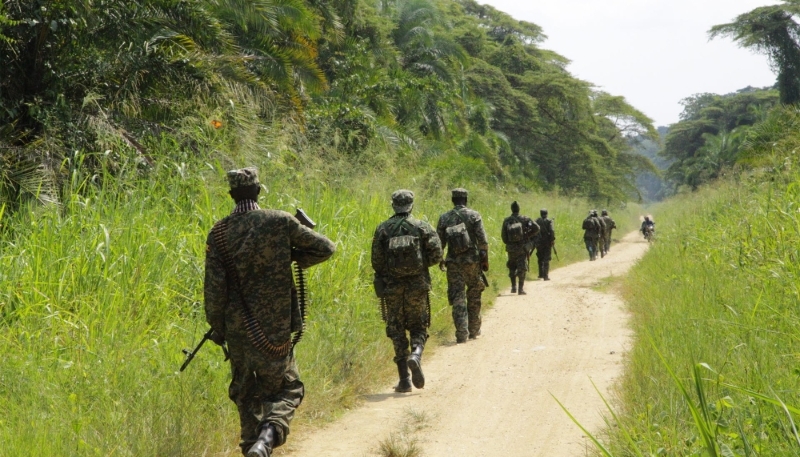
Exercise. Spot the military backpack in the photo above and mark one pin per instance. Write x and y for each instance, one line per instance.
(515, 231)
(458, 236)
(404, 256)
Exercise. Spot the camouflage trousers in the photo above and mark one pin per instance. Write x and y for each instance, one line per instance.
(406, 311)
(593, 246)
(466, 303)
(607, 242)
(517, 263)
(265, 391)
(544, 254)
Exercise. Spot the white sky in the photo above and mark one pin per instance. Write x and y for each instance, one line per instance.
(652, 52)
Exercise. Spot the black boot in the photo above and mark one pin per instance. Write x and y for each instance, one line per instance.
(263, 447)
(546, 267)
(513, 284)
(541, 269)
(415, 365)
(404, 385)
(521, 285)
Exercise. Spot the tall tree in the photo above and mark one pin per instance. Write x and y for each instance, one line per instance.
(771, 30)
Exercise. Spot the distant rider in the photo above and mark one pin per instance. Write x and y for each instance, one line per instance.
(647, 224)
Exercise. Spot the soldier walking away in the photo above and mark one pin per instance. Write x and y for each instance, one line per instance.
(461, 232)
(518, 234)
(648, 228)
(545, 243)
(403, 249)
(251, 303)
(591, 234)
(599, 247)
(610, 226)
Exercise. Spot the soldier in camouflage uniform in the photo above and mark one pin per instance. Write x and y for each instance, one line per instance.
(610, 226)
(544, 244)
(403, 248)
(467, 256)
(517, 234)
(248, 278)
(599, 246)
(591, 234)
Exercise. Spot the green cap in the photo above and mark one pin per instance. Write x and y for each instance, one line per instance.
(402, 201)
(460, 193)
(243, 177)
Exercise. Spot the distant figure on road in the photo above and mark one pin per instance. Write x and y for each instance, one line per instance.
(518, 234)
(251, 303)
(610, 226)
(403, 249)
(462, 233)
(545, 243)
(591, 234)
(648, 228)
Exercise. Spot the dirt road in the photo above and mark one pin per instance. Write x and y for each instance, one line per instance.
(491, 396)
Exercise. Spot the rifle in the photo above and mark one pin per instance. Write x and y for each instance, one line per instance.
(555, 251)
(190, 355)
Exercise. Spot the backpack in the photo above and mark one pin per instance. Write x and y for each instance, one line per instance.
(404, 256)
(515, 231)
(588, 224)
(458, 236)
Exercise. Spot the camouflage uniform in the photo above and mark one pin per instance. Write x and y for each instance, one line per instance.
(464, 269)
(262, 245)
(518, 251)
(610, 226)
(406, 298)
(591, 235)
(544, 244)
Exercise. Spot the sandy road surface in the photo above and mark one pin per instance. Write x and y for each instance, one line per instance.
(491, 396)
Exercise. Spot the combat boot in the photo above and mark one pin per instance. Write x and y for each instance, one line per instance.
(513, 284)
(521, 285)
(415, 365)
(547, 271)
(404, 386)
(263, 446)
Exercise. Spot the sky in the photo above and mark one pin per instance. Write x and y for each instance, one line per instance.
(653, 52)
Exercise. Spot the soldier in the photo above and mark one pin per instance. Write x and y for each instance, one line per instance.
(251, 304)
(467, 257)
(610, 226)
(599, 245)
(403, 249)
(591, 234)
(517, 234)
(545, 242)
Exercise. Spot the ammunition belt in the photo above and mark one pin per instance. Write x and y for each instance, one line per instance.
(254, 331)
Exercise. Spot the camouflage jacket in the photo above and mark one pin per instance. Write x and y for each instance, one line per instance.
(529, 229)
(595, 227)
(547, 232)
(429, 243)
(262, 244)
(476, 231)
(610, 224)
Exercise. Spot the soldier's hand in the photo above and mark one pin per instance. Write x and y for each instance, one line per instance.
(485, 264)
(442, 266)
(217, 338)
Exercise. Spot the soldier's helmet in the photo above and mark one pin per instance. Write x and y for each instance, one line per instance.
(243, 177)
(459, 193)
(604, 212)
(647, 218)
(402, 201)
(515, 207)
(543, 212)
(594, 212)
(590, 214)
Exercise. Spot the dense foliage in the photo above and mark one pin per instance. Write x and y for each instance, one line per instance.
(710, 135)
(435, 81)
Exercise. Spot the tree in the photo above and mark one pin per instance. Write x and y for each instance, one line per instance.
(771, 30)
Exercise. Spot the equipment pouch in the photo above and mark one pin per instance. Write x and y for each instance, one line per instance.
(515, 232)
(379, 284)
(458, 238)
(405, 256)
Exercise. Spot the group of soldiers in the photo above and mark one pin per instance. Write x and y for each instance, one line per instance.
(255, 303)
(597, 233)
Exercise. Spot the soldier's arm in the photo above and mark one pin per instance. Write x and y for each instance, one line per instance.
(433, 246)
(441, 230)
(215, 289)
(378, 256)
(480, 233)
(308, 247)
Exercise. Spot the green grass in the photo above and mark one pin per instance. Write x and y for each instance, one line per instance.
(714, 369)
(100, 294)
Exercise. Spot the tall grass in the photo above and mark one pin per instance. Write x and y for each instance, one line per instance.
(714, 305)
(99, 295)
